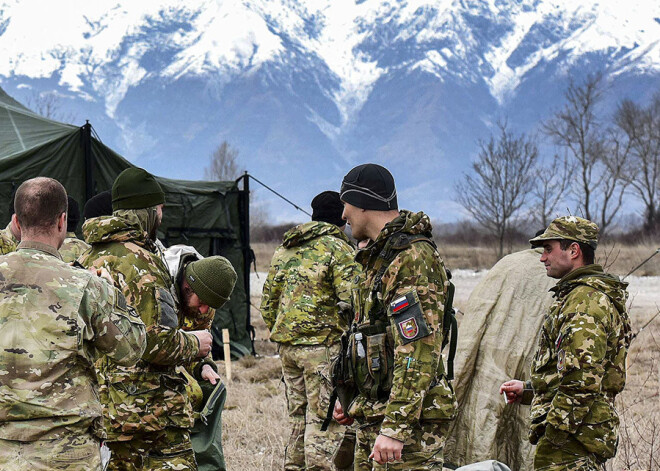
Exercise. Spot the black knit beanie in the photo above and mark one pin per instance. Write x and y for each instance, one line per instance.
(135, 188)
(72, 215)
(327, 207)
(99, 205)
(369, 186)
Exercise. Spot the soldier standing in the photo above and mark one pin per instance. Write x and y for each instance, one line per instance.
(580, 363)
(404, 402)
(72, 247)
(309, 274)
(10, 236)
(56, 320)
(148, 414)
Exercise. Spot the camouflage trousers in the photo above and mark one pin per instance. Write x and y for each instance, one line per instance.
(169, 449)
(306, 371)
(571, 456)
(423, 451)
(71, 453)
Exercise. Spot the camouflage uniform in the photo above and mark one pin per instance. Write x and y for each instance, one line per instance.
(579, 368)
(309, 274)
(410, 302)
(148, 403)
(580, 363)
(8, 242)
(55, 320)
(72, 247)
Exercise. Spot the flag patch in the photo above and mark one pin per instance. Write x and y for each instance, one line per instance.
(399, 304)
(408, 328)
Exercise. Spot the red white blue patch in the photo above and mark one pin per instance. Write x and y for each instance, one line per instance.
(399, 304)
(408, 328)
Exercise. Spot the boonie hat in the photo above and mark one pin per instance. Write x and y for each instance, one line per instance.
(569, 228)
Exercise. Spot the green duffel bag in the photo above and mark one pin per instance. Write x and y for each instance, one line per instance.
(206, 435)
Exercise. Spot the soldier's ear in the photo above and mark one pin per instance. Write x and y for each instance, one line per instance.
(61, 222)
(14, 219)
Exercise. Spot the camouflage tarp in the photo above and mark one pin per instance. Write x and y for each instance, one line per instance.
(498, 336)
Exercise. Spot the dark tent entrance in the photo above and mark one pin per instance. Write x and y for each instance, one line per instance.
(213, 217)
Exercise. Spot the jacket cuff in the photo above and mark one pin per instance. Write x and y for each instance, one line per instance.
(528, 394)
(400, 433)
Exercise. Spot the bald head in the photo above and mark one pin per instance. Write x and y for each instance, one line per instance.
(39, 204)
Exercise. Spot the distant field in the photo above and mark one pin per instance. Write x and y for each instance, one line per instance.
(618, 259)
(255, 424)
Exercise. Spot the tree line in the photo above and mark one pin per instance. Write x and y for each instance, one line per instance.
(597, 162)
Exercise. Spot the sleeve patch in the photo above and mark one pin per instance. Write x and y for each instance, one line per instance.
(561, 360)
(409, 318)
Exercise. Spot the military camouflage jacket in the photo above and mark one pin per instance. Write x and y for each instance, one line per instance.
(8, 242)
(580, 363)
(309, 274)
(414, 282)
(72, 247)
(55, 321)
(152, 395)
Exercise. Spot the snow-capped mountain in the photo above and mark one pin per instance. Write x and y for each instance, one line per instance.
(306, 89)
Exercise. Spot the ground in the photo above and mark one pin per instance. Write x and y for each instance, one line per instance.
(255, 424)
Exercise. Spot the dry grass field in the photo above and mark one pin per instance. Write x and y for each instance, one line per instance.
(255, 425)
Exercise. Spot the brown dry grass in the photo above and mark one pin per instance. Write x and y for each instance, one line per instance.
(255, 425)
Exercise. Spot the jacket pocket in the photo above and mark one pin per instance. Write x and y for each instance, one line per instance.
(145, 401)
(598, 432)
(439, 403)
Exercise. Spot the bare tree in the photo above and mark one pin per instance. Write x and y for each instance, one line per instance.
(224, 163)
(599, 163)
(49, 106)
(641, 127)
(224, 166)
(552, 183)
(503, 177)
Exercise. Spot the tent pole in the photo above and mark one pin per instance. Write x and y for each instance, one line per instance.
(89, 160)
(247, 251)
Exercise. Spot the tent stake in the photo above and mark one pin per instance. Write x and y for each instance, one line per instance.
(225, 342)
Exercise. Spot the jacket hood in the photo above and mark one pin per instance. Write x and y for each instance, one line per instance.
(311, 230)
(594, 277)
(115, 228)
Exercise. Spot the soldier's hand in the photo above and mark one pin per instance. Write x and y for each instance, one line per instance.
(513, 389)
(103, 273)
(210, 375)
(340, 417)
(205, 342)
(386, 450)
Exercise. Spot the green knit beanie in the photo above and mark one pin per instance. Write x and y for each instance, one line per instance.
(135, 188)
(212, 279)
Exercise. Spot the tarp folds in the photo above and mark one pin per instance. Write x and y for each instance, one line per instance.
(497, 341)
(206, 215)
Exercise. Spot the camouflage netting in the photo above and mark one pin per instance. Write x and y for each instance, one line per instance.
(497, 340)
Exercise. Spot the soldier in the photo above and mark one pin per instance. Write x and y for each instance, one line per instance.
(72, 248)
(10, 236)
(56, 320)
(404, 402)
(148, 414)
(309, 274)
(580, 362)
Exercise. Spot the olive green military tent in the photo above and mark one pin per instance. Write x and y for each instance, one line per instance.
(211, 216)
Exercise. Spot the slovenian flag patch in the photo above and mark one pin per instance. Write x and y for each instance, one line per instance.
(399, 304)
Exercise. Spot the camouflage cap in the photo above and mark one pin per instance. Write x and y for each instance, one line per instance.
(569, 228)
